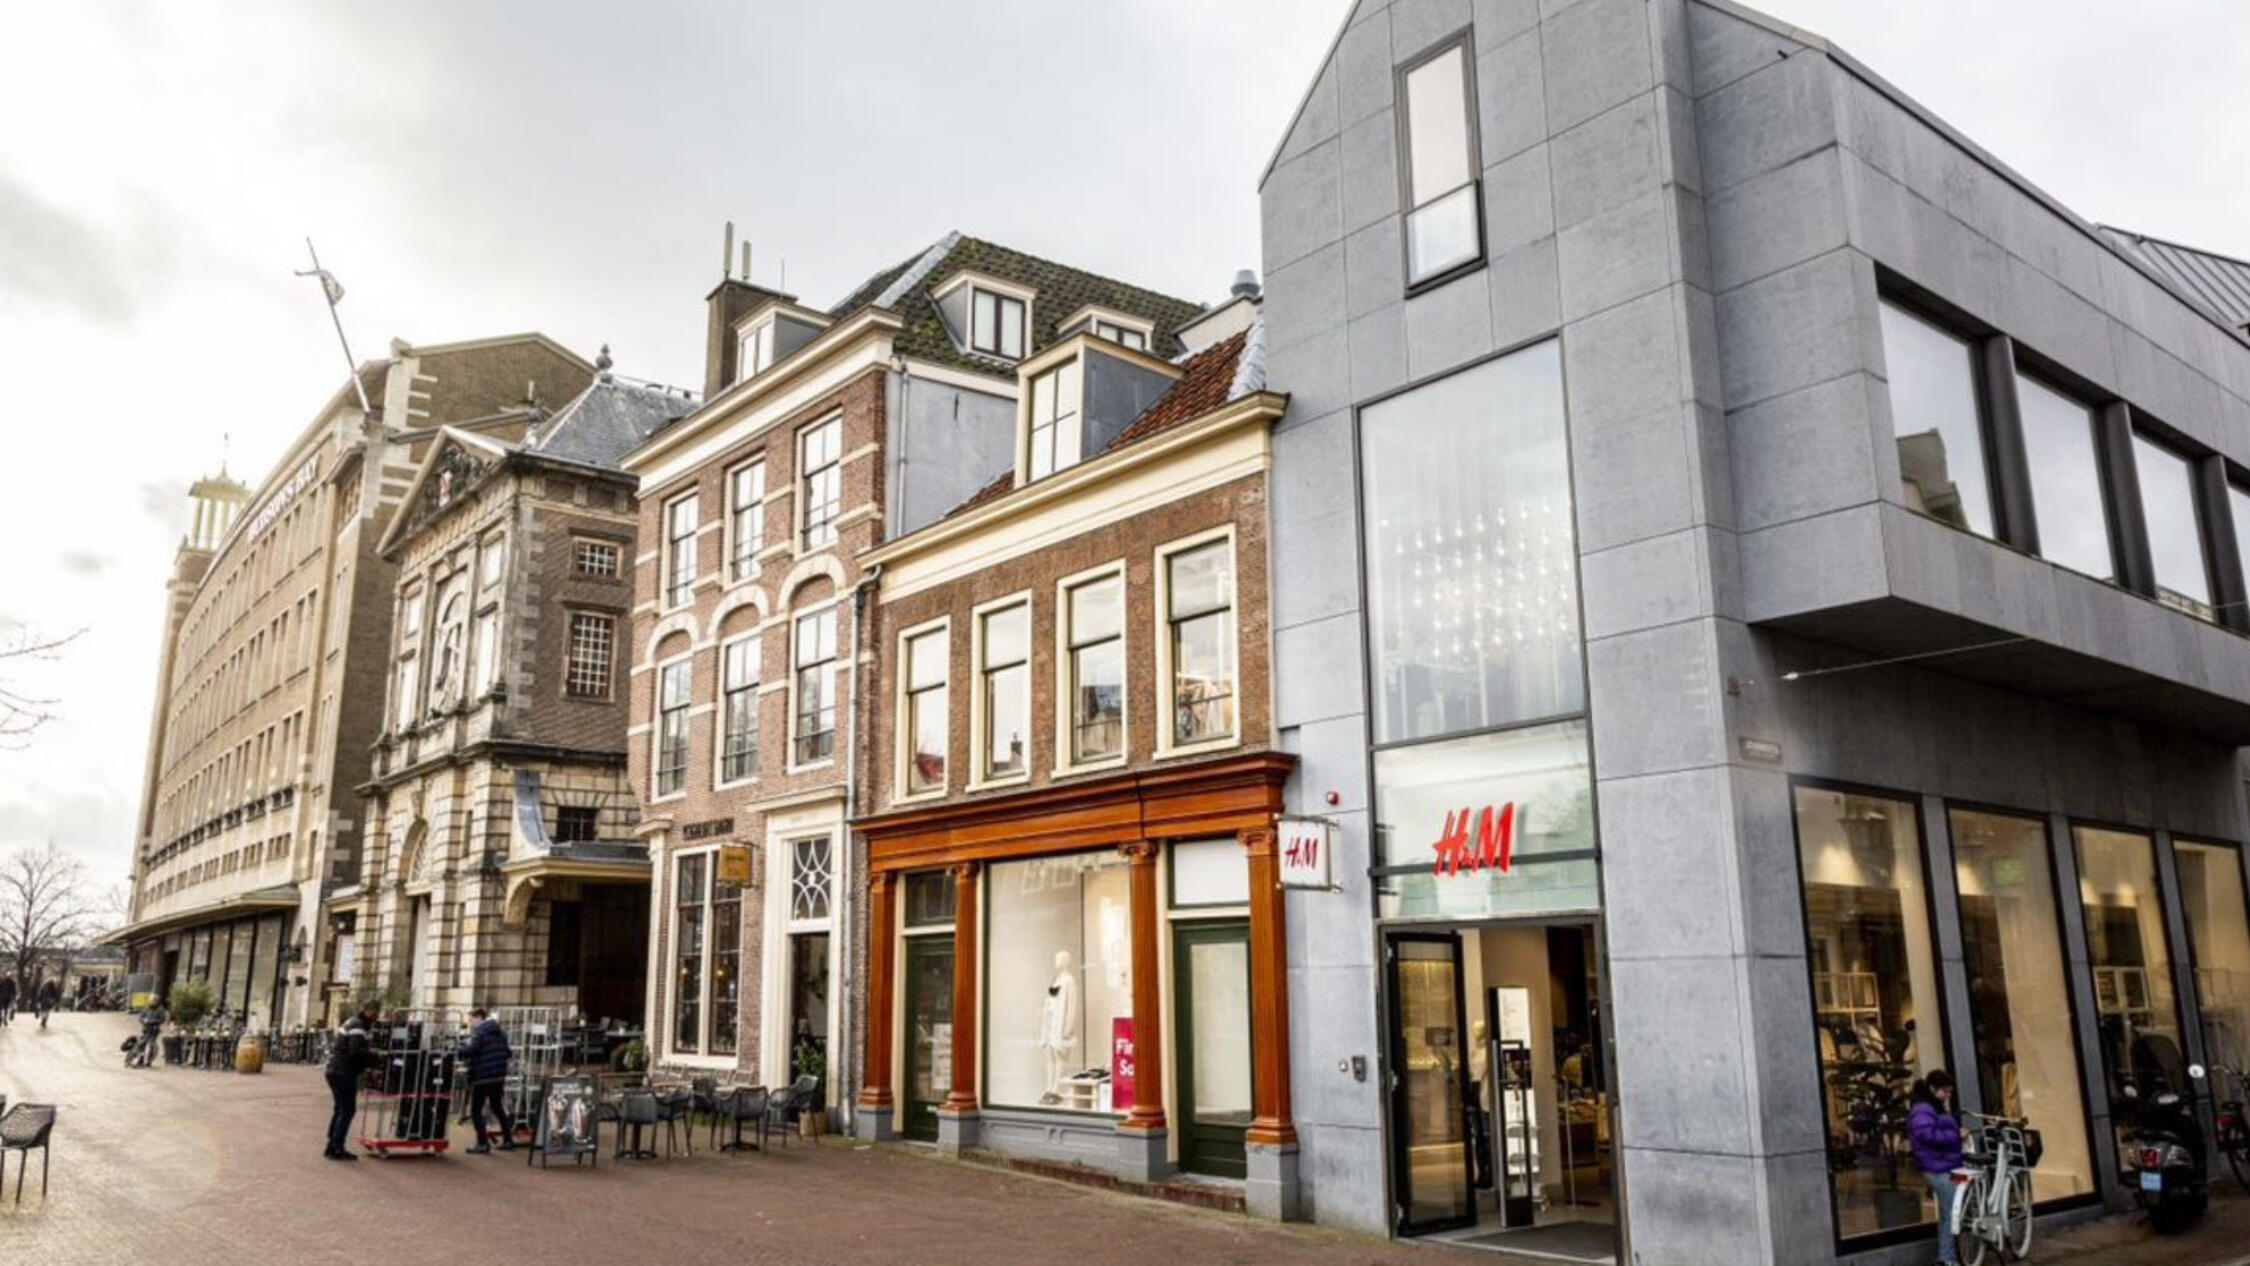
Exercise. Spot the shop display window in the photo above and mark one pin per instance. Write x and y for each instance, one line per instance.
(1877, 1018)
(1059, 981)
(1472, 581)
(1504, 821)
(2137, 1010)
(2019, 992)
(2219, 938)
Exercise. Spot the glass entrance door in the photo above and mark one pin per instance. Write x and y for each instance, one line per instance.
(1429, 1082)
(1211, 984)
(929, 1033)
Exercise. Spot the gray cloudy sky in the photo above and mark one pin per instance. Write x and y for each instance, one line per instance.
(469, 169)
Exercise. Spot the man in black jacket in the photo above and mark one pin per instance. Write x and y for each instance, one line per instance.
(348, 1061)
(485, 1057)
(7, 999)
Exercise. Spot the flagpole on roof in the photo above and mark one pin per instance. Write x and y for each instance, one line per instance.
(333, 290)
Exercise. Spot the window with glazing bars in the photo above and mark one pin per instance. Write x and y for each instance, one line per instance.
(996, 324)
(820, 455)
(672, 690)
(746, 496)
(811, 869)
(679, 551)
(1199, 590)
(596, 558)
(815, 660)
(592, 639)
(738, 686)
(1096, 663)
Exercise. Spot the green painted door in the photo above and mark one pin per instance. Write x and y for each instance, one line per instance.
(929, 1033)
(1211, 994)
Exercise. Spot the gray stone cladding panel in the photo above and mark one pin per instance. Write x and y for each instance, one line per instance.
(1777, 219)
(1668, 854)
(1653, 581)
(1449, 326)
(1656, 694)
(1519, 204)
(1338, 1025)
(1511, 96)
(1766, 119)
(1608, 160)
(1526, 285)
(1619, 254)
(1596, 56)
(1343, 1170)
(1374, 270)
(1681, 1070)
(1321, 669)
(1633, 476)
(1418, 24)
(1299, 208)
(1806, 452)
(1369, 177)
(1801, 326)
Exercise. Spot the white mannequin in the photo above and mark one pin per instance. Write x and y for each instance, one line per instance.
(1058, 1025)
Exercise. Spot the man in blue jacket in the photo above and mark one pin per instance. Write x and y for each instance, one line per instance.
(485, 1057)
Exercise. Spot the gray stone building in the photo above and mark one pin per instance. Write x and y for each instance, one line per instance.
(502, 866)
(1796, 641)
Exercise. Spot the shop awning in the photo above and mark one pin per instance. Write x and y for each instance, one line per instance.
(241, 905)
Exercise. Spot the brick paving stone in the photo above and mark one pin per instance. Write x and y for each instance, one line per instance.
(175, 1167)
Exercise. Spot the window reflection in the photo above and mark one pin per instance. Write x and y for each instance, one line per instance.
(2138, 1016)
(2175, 533)
(2066, 479)
(1875, 997)
(2019, 992)
(2219, 937)
(1939, 426)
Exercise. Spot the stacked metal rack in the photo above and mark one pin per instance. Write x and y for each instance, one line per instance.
(408, 1103)
(535, 1054)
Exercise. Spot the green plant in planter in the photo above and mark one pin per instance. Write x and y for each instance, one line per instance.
(811, 1061)
(191, 1001)
(634, 1058)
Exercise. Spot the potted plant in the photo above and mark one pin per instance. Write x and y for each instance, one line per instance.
(633, 1057)
(812, 1118)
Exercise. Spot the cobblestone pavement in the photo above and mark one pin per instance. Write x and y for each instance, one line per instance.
(181, 1168)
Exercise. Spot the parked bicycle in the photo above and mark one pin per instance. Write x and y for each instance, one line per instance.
(1993, 1210)
(2233, 1138)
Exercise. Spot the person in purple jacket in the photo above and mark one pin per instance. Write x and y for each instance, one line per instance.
(1935, 1136)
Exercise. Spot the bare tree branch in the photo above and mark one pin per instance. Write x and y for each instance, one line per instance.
(46, 909)
(21, 713)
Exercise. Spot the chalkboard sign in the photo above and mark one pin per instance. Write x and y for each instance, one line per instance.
(568, 1123)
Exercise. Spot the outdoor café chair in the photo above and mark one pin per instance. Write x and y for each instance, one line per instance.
(26, 1126)
(744, 1103)
(675, 1108)
(782, 1108)
(636, 1111)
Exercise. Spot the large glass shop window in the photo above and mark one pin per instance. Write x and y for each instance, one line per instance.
(1876, 1011)
(1059, 981)
(2019, 991)
(2137, 1011)
(2219, 936)
(1471, 554)
(1505, 821)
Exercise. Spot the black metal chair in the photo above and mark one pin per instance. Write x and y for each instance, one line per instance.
(703, 1098)
(743, 1103)
(637, 1112)
(675, 1108)
(26, 1126)
(782, 1108)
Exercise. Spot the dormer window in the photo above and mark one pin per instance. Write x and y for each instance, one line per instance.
(1055, 432)
(996, 323)
(756, 351)
(1122, 335)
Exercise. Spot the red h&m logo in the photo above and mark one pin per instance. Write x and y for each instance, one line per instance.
(1301, 851)
(1491, 846)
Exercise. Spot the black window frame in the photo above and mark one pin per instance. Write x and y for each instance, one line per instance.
(1463, 39)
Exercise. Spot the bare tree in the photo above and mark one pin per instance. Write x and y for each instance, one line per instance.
(22, 712)
(46, 909)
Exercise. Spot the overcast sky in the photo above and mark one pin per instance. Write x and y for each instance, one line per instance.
(471, 169)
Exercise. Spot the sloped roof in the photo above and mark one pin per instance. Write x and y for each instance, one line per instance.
(1227, 370)
(2219, 284)
(1062, 290)
(608, 420)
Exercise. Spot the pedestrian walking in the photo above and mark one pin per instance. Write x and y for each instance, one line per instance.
(7, 999)
(1935, 1136)
(485, 1056)
(49, 994)
(348, 1060)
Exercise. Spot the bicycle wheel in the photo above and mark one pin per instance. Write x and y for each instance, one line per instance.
(1968, 1219)
(2015, 1232)
(2235, 1142)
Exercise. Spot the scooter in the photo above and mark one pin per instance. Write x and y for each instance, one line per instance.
(2164, 1155)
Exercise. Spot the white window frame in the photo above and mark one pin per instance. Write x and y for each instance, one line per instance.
(719, 711)
(834, 663)
(579, 545)
(491, 560)
(754, 347)
(484, 650)
(675, 590)
(406, 679)
(1066, 689)
(742, 565)
(410, 615)
(980, 767)
(1166, 706)
(805, 541)
(701, 1057)
(902, 757)
(570, 651)
(656, 794)
(1058, 460)
(976, 282)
